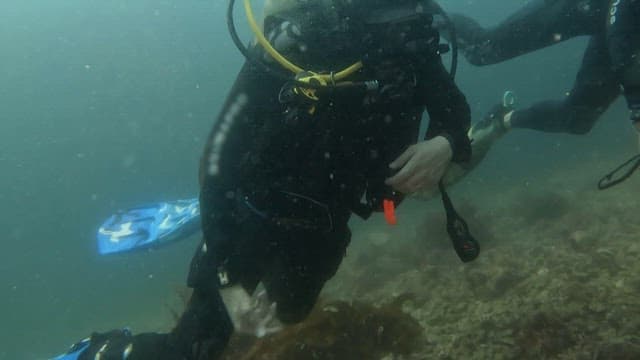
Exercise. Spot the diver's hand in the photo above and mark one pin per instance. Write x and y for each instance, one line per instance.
(421, 166)
(251, 314)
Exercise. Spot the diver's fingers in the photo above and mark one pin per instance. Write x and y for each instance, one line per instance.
(412, 182)
(416, 182)
(401, 160)
(402, 176)
(420, 181)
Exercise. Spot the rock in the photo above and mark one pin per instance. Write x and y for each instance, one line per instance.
(618, 351)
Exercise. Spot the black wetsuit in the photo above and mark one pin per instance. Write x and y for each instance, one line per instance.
(281, 176)
(611, 61)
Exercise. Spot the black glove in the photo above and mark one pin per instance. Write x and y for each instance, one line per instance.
(122, 345)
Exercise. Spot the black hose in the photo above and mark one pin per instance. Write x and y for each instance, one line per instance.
(454, 44)
(245, 51)
(453, 36)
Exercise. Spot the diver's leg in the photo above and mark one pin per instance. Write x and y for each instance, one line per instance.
(232, 237)
(204, 328)
(306, 260)
(595, 88)
(539, 24)
(207, 323)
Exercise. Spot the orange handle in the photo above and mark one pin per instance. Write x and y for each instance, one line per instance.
(389, 212)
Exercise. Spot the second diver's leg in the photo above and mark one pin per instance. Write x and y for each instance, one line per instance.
(595, 88)
(204, 328)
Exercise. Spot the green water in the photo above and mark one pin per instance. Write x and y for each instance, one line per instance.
(105, 105)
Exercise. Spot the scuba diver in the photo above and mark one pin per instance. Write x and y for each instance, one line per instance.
(322, 122)
(610, 66)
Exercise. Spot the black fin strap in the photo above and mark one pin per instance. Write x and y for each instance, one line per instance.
(609, 181)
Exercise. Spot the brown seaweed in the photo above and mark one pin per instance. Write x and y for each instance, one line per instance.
(337, 330)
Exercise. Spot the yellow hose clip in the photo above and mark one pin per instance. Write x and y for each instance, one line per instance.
(310, 93)
(309, 77)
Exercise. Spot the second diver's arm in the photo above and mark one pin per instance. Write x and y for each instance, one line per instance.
(535, 26)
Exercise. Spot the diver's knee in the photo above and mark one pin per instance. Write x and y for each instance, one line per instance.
(582, 127)
(294, 309)
(581, 131)
(290, 315)
(583, 119)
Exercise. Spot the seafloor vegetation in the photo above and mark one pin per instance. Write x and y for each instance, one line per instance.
(558, 278)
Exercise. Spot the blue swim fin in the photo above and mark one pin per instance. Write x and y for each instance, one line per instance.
(75, 351)
(148, 226)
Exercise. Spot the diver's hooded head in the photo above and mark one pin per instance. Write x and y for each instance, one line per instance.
(276, 7)
(366, 11)
(368, 30)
